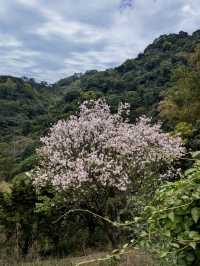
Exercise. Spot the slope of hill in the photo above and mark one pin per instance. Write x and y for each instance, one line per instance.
(27, 108)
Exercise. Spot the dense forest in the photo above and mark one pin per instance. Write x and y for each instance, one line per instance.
(163, 84)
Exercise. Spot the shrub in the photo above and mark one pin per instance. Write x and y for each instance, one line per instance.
(173, 221)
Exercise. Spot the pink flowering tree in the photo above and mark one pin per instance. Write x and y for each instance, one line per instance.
(98, 148)
(97, 157)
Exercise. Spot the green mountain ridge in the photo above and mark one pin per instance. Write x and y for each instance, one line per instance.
(28, 108)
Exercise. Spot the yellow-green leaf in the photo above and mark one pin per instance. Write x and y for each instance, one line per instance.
(171, 216)
(175, 245)
(163, 254)
(195, 212)
(193, 245)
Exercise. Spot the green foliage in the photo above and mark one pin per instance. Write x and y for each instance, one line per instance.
(23, 118)
(17, 214)
(28, 108)
(173, 220)
(181, 104)
(184, 130)
(168, 68)
(36, 222)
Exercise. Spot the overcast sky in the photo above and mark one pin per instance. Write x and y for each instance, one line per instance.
(52, 39)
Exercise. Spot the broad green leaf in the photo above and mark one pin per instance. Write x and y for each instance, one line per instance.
(137, 219)
(125, 246)
(171, 216)
(190, 171)
(196, 154)
(163, 254)
(167, 233)
(175, 245)
(115, 251)
(195, 212)
(196, 195)
(193, 245)
(143, 234)
(194, 235)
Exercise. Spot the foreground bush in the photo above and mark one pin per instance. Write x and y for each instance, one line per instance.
(173, 225)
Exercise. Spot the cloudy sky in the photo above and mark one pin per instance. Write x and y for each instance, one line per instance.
(52, 39)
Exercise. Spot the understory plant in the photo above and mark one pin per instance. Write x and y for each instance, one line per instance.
(173, 221)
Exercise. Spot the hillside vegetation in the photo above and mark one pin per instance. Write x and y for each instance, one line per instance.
(28, 108)
(97, 177)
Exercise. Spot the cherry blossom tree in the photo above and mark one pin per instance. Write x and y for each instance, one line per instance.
(99, 149)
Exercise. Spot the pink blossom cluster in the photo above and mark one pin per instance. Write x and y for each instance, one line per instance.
(96, 147)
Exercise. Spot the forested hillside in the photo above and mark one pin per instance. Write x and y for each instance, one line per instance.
(28, 108)
(97, 179)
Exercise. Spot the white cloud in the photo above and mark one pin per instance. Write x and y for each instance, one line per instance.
(9, 41)
(29, 3)
(190, 15)
(78, 32)
(52, 39)
(18, 61)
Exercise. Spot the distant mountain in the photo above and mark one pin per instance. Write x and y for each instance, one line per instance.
(28, 108)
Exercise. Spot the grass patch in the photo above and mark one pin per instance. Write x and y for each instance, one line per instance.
(133, 258)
